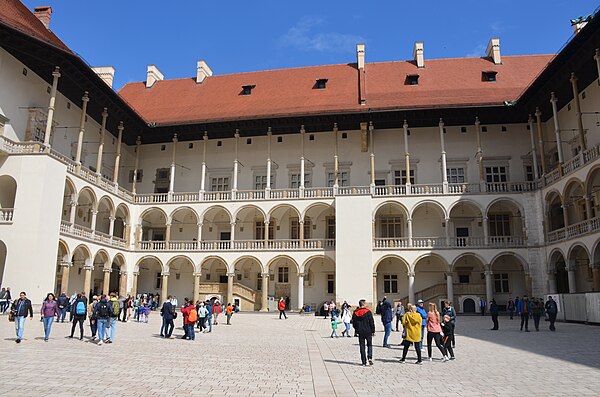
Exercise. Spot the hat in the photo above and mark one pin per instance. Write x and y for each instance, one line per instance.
(420, 301)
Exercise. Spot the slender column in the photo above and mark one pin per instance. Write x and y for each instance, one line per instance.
(411, 287)
(164, 287)
(486, 231)
(596, 278)
(230, 287)
(268, 187)
(538, 117)
(172, 179)
(572, 277)
(375, 298)
(447, 230)
(87, 281)
(406, 159)
(552, 287)
(120, 128)
(489, 292)
(48, 131)
(301, 232)
(111, 225)
(203, 176)
(335, 158)
(235, 164)
(64, 279)
(199, 238)
(479, 154)
(93, 223)
(134, 284)
(232, 231)
(73, 213)
(409, 228)
(533, 150)
(266, 236)
(553, 101)
(85, 101)
(578, 111)
(101, 144)
(300, 290)
(302, 134)
(450, 287)
(264, 302)
(588, 207)
(168, 233)
(138, 147)
(444, 170)
(196, 287)
(565, 214)
(106, 281)
(122, 283)
(372, 156)
(597, 59)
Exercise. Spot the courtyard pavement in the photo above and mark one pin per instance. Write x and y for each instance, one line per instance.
(259, 355)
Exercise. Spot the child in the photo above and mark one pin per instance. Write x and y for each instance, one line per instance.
(448, 330)
(334, 324)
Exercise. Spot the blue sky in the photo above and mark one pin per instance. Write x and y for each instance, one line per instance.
(240, 36)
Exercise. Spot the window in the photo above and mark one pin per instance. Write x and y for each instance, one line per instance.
(463, 130)
(219, 184)
(400, 177)
(390, 283)
(279, 139)
(321, 84)
(484, 129)
(247, 89)
(463, 279)
(499, 225)
(259, 282)
(238, 276)
(248, 141)
(390, 227)
(501, 283)
(412, 79)
(219, 143)
(330, 232)
(24, 72)
(456, 174)
(295, 228)
(161, 182)
(529, 174)
(158, 280)
(260, 182)
(139, 175)
(311, 137)
(343, 178)
(496, 174)
(190, 145)
(259, 230)
(344, 135)
(283, 274)
(489, 75)
(295, 180)
(330, 283)
(163, 148)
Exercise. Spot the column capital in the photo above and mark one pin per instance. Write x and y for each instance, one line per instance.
(233, 223)
(165, 274)
(105, 112)
(573, 78)
(477, 122)
(66, 263)
(175, 140)
(449, 274)
(530, 119)
(236, 135)
(405, 125)
(121, 127)
(112, 218)
(123, 272)
(269, 131)
(553, 97)
(538, 112)
(199, 224)
(56, 72)
(267, 222)
(230, 274)
(85, 97)
(265, 275)
(94, 212)
(302, 130)
(73, 203)
(488, 273)
(205, 136)
(410, 274)
(135, 274)
(169, 224)
(197, 274)
(301, 221)
(88, 267)
(106, 269)
(441, 124)
(374, 274)
(301, 275)
(596, 54)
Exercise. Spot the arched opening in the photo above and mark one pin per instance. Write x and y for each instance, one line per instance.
(105, 212)
(250, 225)
(283, 280)
(391, 226)
(282, 219)
(508, 278)
(468, 278)
(216, 225)
(86, 204)
(575, 202)
(505, 224)
(181, 278)
(3, 253)
(466, 225)
(248, 284)
(468, 305)
(8, 192)
(579, 261)
(149, 280)
(121, 221)
(62, 269)
(430, 279)
(80, 258)
(554, 212)
(102, 267)
(214, 279)
(392, 279)
(69, 196)
(116, 279)
(428, 224)
(558, 266)
(319, 282)
(184, 226)
(154, 225)
(593, 191)
(319, 226)
(596, 267)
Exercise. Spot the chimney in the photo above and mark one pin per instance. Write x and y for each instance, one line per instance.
(493, 51)
(43, 14)
(202, 71)
(153, 75)
(106, 73)
(579, 23)
(360, 61)
(360, 55)
(418, 54)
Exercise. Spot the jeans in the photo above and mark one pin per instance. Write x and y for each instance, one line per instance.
(209, 322)
(347, 330)
(552, 317)
(113, 327)
(398, 321)
(388, 330)
(77, 319)
(422, 335)
(47, 326)
(102, 325)
(229, 319)
(190, 331)
(169, 327)
(62, 313)
(20, 326)
(525, 320)
(417, 349)
(512, 312)
(3, 306)
(369, 342)
(201, 323)
(93, 327)
(162, 327)
(434, 336)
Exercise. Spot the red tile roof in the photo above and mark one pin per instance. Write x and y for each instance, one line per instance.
(442, 83)
(16, 15)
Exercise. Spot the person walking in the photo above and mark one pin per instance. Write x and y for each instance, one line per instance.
(450, 312)
(79, 312)
(63, 303)
(511, 307)
(537, 311)
(216, 311)
(346, 319)
(20, 309)
(168, 315)
(412, 323)
(494, 314)
(92, 317)
(326, 309)
(434, 331)
(114, 318)
(71, 301)
(209, 316)
(421, 310)
(364, 325)
(448, 330)
(524, 310)
(3, 300)
(202, 313)
(281, 306)
(482, 306)
(190, 316)
(102, 312)
(552, 310)
(229, 313)
(386, 319)
(399, 314)
(7, 300)
(334, 324)
(48, 311)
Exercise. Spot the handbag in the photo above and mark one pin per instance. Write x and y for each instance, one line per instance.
(174, 315)
(11, 316)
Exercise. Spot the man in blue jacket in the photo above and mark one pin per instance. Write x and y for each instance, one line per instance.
(386, 319)
(524, 310)
(423, 314)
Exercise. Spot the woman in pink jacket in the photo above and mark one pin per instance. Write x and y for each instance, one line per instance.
(434, 331)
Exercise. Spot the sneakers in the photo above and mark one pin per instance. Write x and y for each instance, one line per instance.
(430, 359)
(100, 343)
(370, 362)
(402, 361)
(419, 362)
(452, 358)
(18, 340)
(445, 359)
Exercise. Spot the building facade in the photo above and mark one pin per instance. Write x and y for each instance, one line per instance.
(423, 179)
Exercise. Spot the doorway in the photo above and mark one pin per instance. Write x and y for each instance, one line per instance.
(462, 236)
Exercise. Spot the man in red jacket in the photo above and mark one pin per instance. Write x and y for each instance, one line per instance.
(190, 316)
(281, 307)
(364, 326)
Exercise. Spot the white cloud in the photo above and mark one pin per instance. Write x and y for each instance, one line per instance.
(304, 36)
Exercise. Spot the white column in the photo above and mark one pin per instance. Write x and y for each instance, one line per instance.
(410, 231)
(302, 133)
(199, 238)
(266, 236)
(335, 159)
(538, 117)
(552, 287)
(447, 230)
(106, 281)
(164, 287)
(232, 231)
(268, 187)
(203, 176)
(578, 111)
(372, 157)
(411, 288)
(172, 178)
(230, 287)
(264, 301)
(450, 286)
(407, 159)
(572, 277)
(489, 292)
(479, 154)
(486, 233)
(235, 164)
(111, 225)
(85, 101)
(120, 128)
(51, 107)
(300, 290)
(73, 212)
(553, 101)
(101, 144)
(93, 223)
(301, 232)
(533, 149)
(444, 170)
(138, 147)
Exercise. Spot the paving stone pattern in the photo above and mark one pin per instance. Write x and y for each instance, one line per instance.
(259, 355)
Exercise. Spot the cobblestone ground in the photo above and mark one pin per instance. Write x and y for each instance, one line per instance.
(260, 355)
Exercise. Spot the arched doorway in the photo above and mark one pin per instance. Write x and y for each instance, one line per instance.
(81, 259)
(430, 279)
(508, 278)
(319, 281)
(8, 192)
(181, 278)
(468, 305)
(466, 225)
(558, 268)
(554, 211)
(116, 278)
(121, 221)
(575, 202)
(69, 198)
(248, 284)
(213, 282)
(149, 279)
(391, 279)
(579, 262)
(283, 279)
(86, 205)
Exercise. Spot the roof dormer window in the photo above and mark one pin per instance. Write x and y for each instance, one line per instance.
(321, 84)
(247, 89)
(488, 75)
(412, 79)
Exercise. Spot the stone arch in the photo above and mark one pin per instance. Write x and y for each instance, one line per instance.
(389, 202)
(181, 277)
(84, 249)
(184, 208)
(574, 201)
(280, 207)
(574, 247)
(246, 258)
(391, 278)
(555, 256)
(106, 210)
(554, 210)
(65, 247)
(281, 218)
(184, 224)
(441, 260)
(466, 223)
(136, 268)
(216, 207)
(439, 207)
(69, 195)
(400, 259)
(500, 200)
(524, 264)
(314, 205)
(430, 277)
(465, 201)
(592, 189)
(250, 223)
(318, 218)
(3, 254)
(509, 276)
(216, 223)
(246, 207)
(149, 280)
(505, 221)
(8, 191)
(428, 223)
(120, 259)
(390, 220)
(153, 223)
(319, 281)
(213, 267)
(466, 255)
(87, 202)
(274, 260)
(171, 261)
(121, 221)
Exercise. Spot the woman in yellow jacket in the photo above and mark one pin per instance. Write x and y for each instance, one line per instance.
(412, 327)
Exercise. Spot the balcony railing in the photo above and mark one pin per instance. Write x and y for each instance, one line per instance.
(452, 242)
(238, 245)
(572, 165)
(572, 231)
(6, 215)
(89, 234)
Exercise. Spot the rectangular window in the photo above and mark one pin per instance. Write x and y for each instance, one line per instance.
(330, 232)
(496, 174)
(295, 228)
(400, 177)
(499, 225)
(295, 180)
(259, 282)
(158, 280)
(390, 227)
(463, 278)
(219, 184)
(390, 283)
(501, 283)
(139, 176)
(283, 274)
(162, 180)
(260, 182)
(259, 230)
(343, 178)
(456, 174)
(529, 175)
(330, 283)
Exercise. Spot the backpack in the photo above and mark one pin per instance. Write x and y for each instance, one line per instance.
(193, 316)
(80, 308)
(102, 309)
(115, 307)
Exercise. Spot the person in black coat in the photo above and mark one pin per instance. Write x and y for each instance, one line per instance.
(364, 326)
(168, 314)
(552, 310)
(494, 313)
